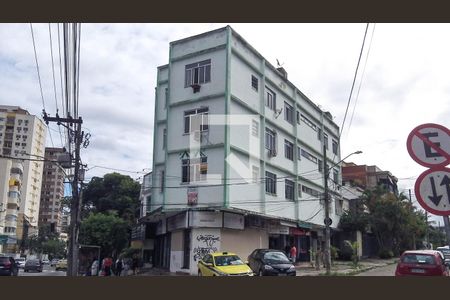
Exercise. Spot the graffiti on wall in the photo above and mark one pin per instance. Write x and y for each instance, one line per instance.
(206, 244)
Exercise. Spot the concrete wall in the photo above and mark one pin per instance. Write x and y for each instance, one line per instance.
(243, 242)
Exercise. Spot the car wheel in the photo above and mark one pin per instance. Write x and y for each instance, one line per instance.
(260, 273)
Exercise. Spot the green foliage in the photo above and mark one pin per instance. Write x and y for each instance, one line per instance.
(334, 253)
(355, 257)
(385, 254)
(354, 221)
(436, 237)
(346, 251)
(54, 248)
(46, 242)
(108, 231)
(113, 193)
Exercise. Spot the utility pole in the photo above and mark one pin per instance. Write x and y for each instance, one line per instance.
(447, 228)
(411, 207)
(72, 266)
(327, 214)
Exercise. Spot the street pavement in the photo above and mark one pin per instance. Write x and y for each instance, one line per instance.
(388, 270)
(47, 271)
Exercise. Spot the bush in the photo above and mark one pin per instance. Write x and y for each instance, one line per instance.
(346, 251)
(385, 253)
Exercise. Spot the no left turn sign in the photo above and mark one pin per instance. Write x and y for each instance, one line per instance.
(429, 145)
(432, 190)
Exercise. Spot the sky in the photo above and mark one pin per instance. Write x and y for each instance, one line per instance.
(402, 82)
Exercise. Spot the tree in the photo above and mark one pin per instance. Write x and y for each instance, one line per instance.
(113, 193)
(106, 230)
(54, 248)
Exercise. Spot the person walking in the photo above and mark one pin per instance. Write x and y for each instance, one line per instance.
(293, 253)
(107, 263)
(94, 268)
(119, 266)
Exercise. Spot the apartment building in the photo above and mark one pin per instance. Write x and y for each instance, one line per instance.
(368, 177)
(238, 155)
(52, 191)
(22, 135)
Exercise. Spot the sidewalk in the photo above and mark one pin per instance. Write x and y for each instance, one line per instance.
(339, 268)
(344, 268)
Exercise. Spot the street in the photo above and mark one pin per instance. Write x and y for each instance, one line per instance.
(48, 271)
(381, 271)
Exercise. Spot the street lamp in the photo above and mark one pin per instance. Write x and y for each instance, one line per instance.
(327, 208)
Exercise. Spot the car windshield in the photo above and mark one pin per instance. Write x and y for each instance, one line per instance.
(228, 260)
(418, 259)
(276, 257)
(32, 261)
(20, 259)
(4, 259)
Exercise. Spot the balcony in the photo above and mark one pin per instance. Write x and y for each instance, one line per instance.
(11, 212)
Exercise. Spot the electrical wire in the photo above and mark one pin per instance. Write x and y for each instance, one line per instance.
(361, 80)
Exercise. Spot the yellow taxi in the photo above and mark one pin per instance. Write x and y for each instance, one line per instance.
(61, 265)
(223, 264)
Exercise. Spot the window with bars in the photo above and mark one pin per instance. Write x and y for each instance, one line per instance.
(270, 140)
(289, 189)
(196, 120)
(309, 156)
(197, 73)
(271, 183)
(254, 83)
(308, 122)
(164, 143)
(320, 165)
(310, 191)
(325, 140)
(288, 113)
(194, 169)
(288, 150)
(335, 176)
(271, 99)
(255, 174)
(335, 147)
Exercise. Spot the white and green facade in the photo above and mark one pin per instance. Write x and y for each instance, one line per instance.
(218, 184)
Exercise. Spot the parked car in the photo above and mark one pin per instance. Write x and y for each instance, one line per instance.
(33, 265)
(223, 264)
(422, 263)
(54, 262)
(8, 266)
(268, 262)
(21, 262)
(61, 265)
(446, 252)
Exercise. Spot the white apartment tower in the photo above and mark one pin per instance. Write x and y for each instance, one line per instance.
(237, 157)
(23, 136)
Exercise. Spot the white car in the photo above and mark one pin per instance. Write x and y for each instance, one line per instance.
(45, 261)
(21, 262)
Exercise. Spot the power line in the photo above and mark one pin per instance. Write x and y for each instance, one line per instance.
(361, 80)
(39, 76)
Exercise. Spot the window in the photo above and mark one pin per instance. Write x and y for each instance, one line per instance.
(338, 206)
(325, 140)
(166, 97)
(196, 120)
(271, 183)
(335, 176)
(163, 179)
(334, 146)
(299, 153)
(197, 73)
(255, 174)
(255, 128)
(271, 140)
(310, 191)
(194, 169)
(186, 248)
(289, 189)
(308, 122)
(298, 117)
(288, 113)
(254, 83)
(309, 156)
(164, 138)
(319, 134)
(288, 150)
(270, 99)
(320, 165)
(299, 190)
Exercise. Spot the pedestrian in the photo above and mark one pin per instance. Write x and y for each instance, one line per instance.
(293, 253)
(94, 268)
(106, 266)
(135, 265)
(119, 266)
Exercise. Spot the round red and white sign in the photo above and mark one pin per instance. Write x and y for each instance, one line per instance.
(432, 191)
(429, 145)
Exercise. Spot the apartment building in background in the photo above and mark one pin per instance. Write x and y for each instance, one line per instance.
(52, 191)
(10, 183)
(238, 156)
(22, 135)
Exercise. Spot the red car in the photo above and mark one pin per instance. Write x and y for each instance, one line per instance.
(422, 263)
